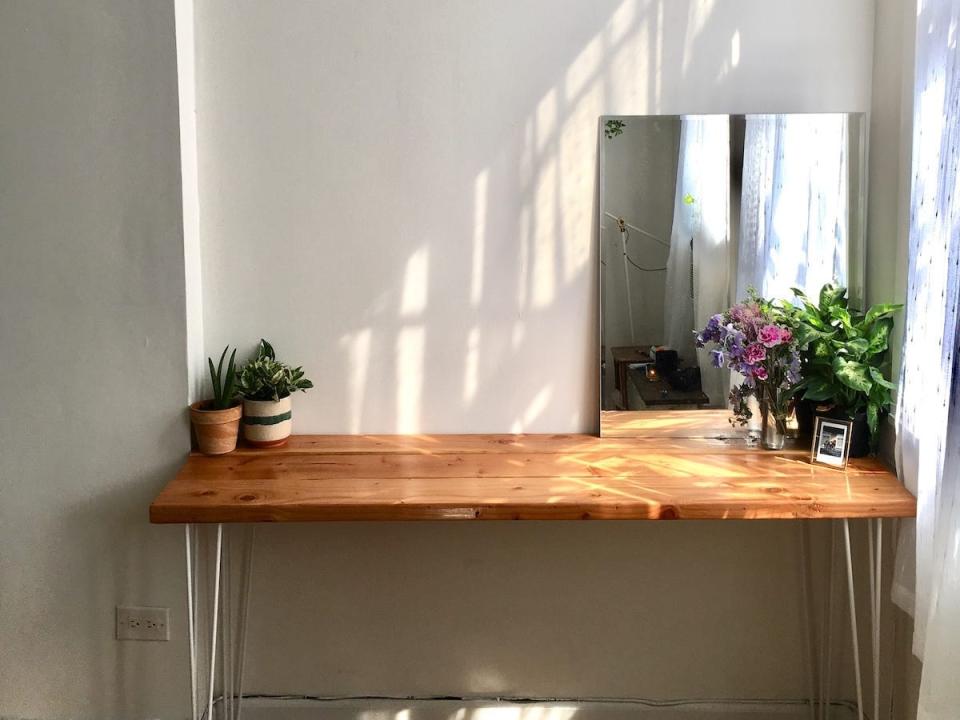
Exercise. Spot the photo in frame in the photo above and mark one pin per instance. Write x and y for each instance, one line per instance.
(831, 442)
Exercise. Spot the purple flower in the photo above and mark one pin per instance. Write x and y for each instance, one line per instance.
(756, 353)
(711, 333)
(716, 358)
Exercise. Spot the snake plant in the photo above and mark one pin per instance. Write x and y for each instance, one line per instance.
(224, 386)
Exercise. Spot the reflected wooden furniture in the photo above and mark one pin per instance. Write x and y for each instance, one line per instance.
(623, 358)
(676, 465)
(658, 392)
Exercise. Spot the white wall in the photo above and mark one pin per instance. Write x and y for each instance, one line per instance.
(402, 197)
(93, 383)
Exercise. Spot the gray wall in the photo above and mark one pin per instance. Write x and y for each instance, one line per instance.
(92, 352)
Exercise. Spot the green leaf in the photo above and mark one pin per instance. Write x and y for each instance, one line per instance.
(818, 389)
(265, 351)
(855, 347)
(879, 335)
(214, 380)
(820, 349)
(852, 374)
(883, 310)
(873, 417)
(879, 379)
(832, 297)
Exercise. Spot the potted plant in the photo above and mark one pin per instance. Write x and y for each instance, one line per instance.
(844, 358)
(749, 340)
(216, 421)
(266, 386)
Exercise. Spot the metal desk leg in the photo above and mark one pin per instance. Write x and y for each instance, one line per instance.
(853, 619)
(192, 538)
(877, 584)
(217, 604)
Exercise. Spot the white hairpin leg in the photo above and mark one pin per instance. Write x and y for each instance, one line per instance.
(878, 584)
(853, 619)
(826, 637)
(191, 617)
(226, 690)
(214, 619)
(806, 614)
(244, 614)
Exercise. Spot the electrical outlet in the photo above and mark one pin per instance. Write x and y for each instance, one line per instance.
(143, 623)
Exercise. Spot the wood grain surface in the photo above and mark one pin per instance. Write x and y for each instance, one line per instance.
(681, 465)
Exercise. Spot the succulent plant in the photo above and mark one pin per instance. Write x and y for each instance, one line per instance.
(265, 378)
(224, 386)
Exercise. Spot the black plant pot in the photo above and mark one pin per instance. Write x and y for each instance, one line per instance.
(859, 435)
(805, 411)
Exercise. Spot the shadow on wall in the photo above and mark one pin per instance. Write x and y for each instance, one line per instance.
(435, 234)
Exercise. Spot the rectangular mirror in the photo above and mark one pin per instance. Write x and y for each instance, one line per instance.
(696, 209)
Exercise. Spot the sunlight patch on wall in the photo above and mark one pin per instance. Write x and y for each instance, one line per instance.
(735, 49)
(414, 298)
(409, 379)
(534, 409)
(699, 16)
(585, 69)
(621, 21)
(471, 367)
(479, 235)
(544, 239)
(357, 347)
(545, 121)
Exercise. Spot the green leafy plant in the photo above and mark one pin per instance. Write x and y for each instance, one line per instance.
(844, 352)
(265, 378)
(224, 386)
(612, 128)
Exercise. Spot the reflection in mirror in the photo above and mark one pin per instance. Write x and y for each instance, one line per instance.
(695, 210)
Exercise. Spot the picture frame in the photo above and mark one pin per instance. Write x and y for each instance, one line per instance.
(831, 442)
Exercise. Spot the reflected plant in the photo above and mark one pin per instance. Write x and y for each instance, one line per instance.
(612, 128)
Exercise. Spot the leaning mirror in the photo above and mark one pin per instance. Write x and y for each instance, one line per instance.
(694, 211)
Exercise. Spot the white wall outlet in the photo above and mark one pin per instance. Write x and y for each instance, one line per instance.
(143, 623)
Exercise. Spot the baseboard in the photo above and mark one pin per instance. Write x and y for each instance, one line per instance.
(299, 708)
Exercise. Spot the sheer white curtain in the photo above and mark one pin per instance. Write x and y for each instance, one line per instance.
(795, 204)
(697, 282)
(928, 407)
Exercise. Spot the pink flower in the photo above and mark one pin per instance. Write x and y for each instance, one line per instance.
(773, 335)
(760, 373)
(755, 353)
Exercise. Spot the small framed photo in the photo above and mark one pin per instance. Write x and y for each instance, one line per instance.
(831, 442)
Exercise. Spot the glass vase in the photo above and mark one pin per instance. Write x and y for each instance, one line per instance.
(773, 431)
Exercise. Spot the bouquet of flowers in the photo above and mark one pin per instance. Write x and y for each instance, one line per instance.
(751, 339)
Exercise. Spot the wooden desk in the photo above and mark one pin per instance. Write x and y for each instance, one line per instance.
(662, 466)
(662, 474)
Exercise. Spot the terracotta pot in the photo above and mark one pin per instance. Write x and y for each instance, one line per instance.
(267, 423)
(216, 430)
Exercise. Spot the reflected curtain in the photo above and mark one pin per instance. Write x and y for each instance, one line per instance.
(697, 282)
(794, 209)
(928, 406)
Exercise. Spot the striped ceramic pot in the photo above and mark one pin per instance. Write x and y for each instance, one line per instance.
(267, 423)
